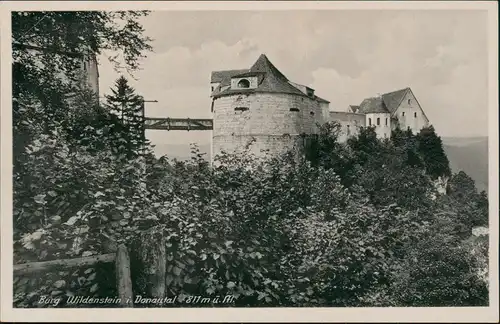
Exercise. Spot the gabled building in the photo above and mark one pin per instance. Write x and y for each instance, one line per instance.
(390, 110)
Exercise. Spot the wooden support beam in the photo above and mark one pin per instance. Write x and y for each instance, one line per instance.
(25, 268)
(186, 124)
(123, 277)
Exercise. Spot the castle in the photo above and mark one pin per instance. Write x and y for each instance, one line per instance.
(261, 109)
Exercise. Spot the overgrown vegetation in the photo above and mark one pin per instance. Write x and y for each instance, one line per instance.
(359, 223)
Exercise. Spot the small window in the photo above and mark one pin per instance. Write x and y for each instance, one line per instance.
(294, 109)
(403, 114)
(386, 121)
(415, 115)
(244, 83)
(240, 108)
(312, 113)
(212, 88)
(369, 121)
(385, 135)
(408, 128)
(409, 101)
(378, 121)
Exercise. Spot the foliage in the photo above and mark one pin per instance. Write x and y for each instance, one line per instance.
(128, 106)
(430, 147)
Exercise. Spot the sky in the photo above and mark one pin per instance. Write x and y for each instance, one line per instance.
(346, 55)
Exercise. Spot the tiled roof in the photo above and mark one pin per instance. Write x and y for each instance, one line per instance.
(353, 108)
(392, 100)
(322, 100)
(372, 105)
(220, 76)
(386, 103)
(273, 80)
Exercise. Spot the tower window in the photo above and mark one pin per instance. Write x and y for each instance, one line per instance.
(369, 121)
(378, 121)
(415, 115)
(294, 109)
(403, 114)
(386, 121)
(244, 83)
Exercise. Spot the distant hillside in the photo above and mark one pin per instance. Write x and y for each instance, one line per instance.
(469, 154)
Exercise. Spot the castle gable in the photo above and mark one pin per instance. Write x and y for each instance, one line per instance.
(392, 100)
(409, 109)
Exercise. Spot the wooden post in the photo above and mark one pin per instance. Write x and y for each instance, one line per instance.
(158, 288)
(153, 256)
(124, 281)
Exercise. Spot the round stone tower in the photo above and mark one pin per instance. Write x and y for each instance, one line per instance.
(261, 109)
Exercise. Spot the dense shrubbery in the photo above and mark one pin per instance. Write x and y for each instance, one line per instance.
(359, 223)
(278, 231)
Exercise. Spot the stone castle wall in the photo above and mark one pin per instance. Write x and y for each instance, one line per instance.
(350, 123)
(271, 121)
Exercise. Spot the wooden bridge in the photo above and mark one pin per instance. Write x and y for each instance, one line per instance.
(186, 124)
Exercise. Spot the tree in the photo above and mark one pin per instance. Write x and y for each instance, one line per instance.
(472, 206)
(430, 148)
(128, 106)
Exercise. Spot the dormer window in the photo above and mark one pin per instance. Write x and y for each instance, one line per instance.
(244, 83)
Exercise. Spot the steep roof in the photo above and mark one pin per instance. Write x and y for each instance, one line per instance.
(321, 99)
(272, 80)
(386, 103)
(353, 108)
(392, 100)
(373, 105)
(220, 76)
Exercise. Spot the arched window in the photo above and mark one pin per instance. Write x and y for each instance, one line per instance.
(378, 121)
(244, 83)
(369, 121)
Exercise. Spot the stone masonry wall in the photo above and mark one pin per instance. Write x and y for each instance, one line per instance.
(350, 123)
(265, 118)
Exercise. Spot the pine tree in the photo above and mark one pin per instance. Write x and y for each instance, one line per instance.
(128, 106)
(430, 148)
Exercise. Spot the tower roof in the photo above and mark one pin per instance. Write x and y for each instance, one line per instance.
(270, 79)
